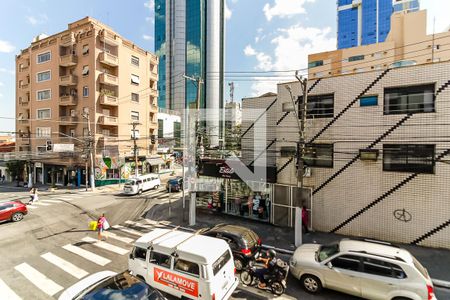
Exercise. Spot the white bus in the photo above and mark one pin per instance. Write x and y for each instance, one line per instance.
(141, 184)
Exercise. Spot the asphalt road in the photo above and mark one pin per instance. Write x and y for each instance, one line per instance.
(36, 251)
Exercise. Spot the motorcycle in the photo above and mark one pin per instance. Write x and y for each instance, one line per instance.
(275, 279)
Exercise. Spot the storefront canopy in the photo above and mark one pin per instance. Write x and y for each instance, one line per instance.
(155, 161)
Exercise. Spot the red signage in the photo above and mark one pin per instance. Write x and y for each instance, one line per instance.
(183, 284)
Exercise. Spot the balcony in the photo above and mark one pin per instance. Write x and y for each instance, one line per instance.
(68, 120)
(23, 120)
(109, 100)
(68, 80)
(24, 101)
(25, 139)
(109, 59)
(108, 121)
(24, 68)
(68, 60)
(109, 79)
(68, 100)
(25, 86)
(109, 38)
(68, 39)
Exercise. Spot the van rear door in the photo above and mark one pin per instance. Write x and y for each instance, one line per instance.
(224, 281)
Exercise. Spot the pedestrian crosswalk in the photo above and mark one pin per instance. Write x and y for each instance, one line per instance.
(53, 271)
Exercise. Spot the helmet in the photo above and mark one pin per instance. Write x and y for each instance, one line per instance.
(272, 253)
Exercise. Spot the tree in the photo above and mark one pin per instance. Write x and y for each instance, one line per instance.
(16, 169)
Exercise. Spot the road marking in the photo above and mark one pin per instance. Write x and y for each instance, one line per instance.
(41, 204)
(125, 229)
(51, 201)
(31, 206)
(7, 293)
(65, 265)
(114, 236)
(106, 246)
(139, 224)
(99, 260)
(41, 281)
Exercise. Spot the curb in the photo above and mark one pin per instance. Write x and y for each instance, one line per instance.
(441, 283)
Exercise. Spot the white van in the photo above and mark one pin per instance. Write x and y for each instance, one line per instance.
(142, 183)
(185, 265)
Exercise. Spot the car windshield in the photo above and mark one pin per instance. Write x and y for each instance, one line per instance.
(419, 267)
(326, 251)
(121, 287)
(130, 182)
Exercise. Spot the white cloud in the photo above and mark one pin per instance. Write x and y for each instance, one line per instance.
(150, 4)
(228, 12)
(1, 83)
(249, 51)
(437, 11)
(1, 95)
(6, 47)
(4, 70)
(285, 8)
(147, 37)
(36, 20)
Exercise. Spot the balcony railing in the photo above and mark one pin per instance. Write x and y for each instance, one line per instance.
(25, 86)
(25, 139)
(109, 38)
(68, 39)
(67, 80)
(109, 79)
(109, 59)
(68, 119)
(24, 68)
(108, 120)
(24, 101)
(68, 60)
(109, 100)
(68, 100)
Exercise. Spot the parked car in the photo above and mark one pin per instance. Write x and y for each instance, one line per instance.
(244, 242)
(12, 211)
(175, 184)
(109, 285)
(142, 183)
(364, 268)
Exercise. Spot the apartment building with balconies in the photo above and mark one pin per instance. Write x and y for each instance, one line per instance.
(87, 73)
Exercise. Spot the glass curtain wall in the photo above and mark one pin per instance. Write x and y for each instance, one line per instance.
(160, 49)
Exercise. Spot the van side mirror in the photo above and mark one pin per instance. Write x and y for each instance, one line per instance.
(330, 265)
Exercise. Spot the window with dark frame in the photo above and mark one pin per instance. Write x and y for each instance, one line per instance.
(409, 99)
(346, 262)
(318, 106)
(319, 155)
(382, 268)
(188, 267)
(135, 60)
(412, 158)
(160, 259)
(134, 97)
(288, 151)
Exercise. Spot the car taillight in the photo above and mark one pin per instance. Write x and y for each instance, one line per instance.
(234, 270)
(259, 242)
(246, 252)
(430, 292)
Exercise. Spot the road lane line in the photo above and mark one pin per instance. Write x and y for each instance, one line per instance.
(125, 229)
(106, 246)
(99, 260)
(65, 265)
(114, 236)
(7, 293)
(51, 201)
(41, 281)
(41, 204)
(31, 206)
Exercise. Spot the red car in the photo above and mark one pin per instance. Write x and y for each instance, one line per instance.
(12, 210)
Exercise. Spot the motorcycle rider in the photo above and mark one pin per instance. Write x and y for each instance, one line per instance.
(269, 264)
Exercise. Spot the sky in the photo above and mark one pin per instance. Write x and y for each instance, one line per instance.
(261, 36)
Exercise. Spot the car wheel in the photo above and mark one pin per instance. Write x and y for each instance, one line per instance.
(277, 288)
(17, 217)
(311, 283)
(140, 192)
(238, 264)
(156, 187)
(246, 278)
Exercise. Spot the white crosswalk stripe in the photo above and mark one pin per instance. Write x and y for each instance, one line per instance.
(64, 198)
(65, 265)
(114, 236)
(31, 206)
(7, 293)
(128, 230)
(97, 259)
(41, 281)
(38, 203)
(106, 246)
(50, 201)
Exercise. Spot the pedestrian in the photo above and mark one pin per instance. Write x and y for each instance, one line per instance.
(305, 220)
(33, 196)
(101, 222)
(3, 178)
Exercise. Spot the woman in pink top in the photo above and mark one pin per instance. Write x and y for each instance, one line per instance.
(100, 223)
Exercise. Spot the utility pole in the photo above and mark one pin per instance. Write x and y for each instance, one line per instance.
(135, 148)
(90, 141)
(302, 113)
(193, 194)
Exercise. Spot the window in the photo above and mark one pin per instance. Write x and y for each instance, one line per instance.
(72, 132)
(221, 261)
(135, 79)
(382, 268)
(135, 60)
(41, 149)
(43, 132)
(44, 95)
(135, 115)
(85, 132)
(85, 110)
(160, 259)
(319, 106)
(409, 158)
(43, 76)
(85, 71)
(346, 262)
(288, 151)
(85, 91)
(160, 128)
(85, 50)
(356, 58)
(134, 97)
(327, 251)
(43, 57)
(44, 113)
(187, 267)
(316, 63)
(319, 155)
(368, 101)
(411, 99)
(140, 253)
(134, 134)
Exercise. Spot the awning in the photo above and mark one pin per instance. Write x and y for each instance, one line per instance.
(155, 161)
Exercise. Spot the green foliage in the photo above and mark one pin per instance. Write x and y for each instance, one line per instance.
(15, 168)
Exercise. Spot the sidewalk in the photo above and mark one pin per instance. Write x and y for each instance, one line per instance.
(437, 261)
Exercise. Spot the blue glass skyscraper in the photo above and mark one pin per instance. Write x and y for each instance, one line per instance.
(365, 22)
